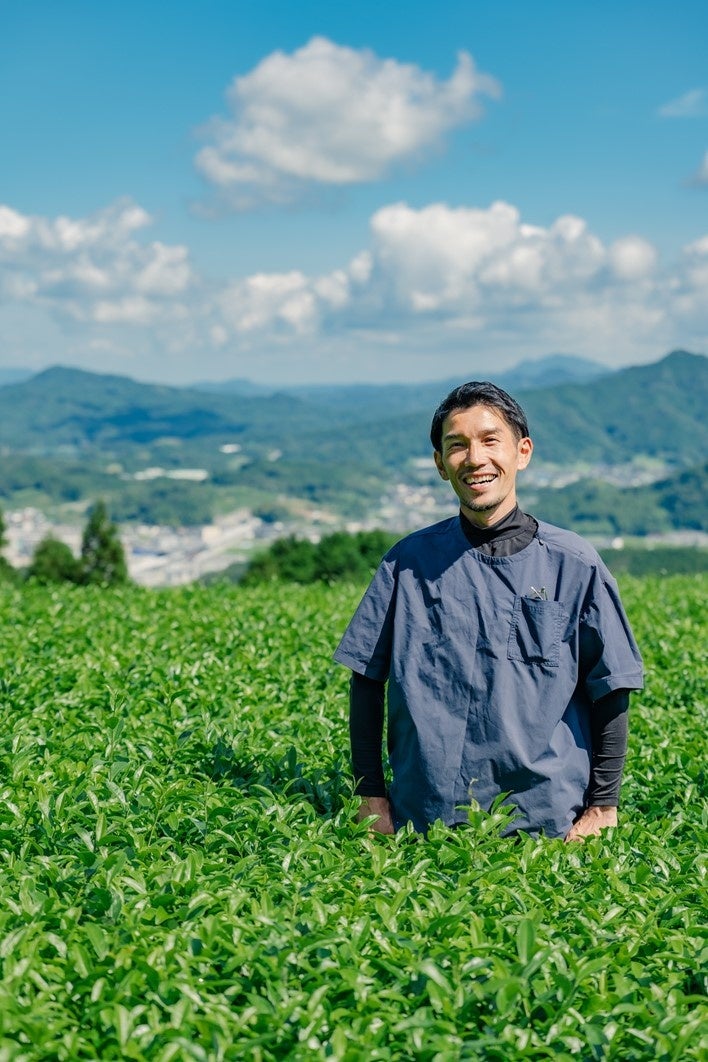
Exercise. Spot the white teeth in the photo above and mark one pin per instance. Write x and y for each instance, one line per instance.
(480, 479)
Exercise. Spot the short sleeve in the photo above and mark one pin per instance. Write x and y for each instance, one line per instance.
(366, 644)
(609, 657)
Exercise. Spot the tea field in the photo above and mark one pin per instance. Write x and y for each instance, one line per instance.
(181, 877)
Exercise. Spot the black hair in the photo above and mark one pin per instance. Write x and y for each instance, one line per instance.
(479, 393)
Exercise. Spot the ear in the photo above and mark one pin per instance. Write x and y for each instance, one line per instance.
(439, 465)
(524, 450)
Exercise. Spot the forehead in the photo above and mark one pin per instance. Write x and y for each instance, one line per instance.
(473, 420)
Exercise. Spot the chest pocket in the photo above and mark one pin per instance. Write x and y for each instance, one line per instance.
(535, 632)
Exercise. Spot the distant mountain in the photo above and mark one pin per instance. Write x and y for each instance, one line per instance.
(236, 386)
(656, 409)
(64, 407)
(553, 370)
(357, 400)
(12, 376)
(329, 447)
(354, 399)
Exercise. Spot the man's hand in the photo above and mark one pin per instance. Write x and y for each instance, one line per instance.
(591, 822)
(376, 806)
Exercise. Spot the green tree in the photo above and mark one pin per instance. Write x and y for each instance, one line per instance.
(102, 555)
(53, 562)
(292, 559)
(337, 556)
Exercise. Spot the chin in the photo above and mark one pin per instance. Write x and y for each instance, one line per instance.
(482, 506)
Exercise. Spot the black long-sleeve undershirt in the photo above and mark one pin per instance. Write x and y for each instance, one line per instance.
(609, 719)
(366, 725)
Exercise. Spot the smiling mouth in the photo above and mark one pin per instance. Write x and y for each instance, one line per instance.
(479, 481)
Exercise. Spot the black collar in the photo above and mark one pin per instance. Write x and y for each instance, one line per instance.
(508, 536)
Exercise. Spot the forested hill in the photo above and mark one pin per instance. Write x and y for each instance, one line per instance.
(656, 409)
(595, 507)
(66, 407)
(63, 407)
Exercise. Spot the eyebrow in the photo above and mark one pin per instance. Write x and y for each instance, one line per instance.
(460, 435)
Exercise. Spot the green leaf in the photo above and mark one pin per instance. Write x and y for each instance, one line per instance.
(526, 940)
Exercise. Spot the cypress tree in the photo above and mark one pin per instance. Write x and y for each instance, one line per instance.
(102, 555)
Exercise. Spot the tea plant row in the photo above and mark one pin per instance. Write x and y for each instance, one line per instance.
(182, 878)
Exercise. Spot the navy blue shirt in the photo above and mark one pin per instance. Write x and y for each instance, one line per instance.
(493, 664)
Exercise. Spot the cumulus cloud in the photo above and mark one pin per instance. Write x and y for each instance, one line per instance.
(443, 262)
(443, 272)
(632, 258)
(290, 301)
(693, 104)
(427, 281)
(93, 268)
(692, 288)
(331, 115)
(700, 177)
(269, 300)
(441, 258)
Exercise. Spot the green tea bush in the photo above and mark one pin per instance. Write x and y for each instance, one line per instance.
(182, 878)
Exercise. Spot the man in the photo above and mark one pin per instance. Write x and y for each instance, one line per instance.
(505, 647)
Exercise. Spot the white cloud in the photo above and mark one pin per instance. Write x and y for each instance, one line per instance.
(693, 285)
(94, 268)
(218, 335)
(331, 115)
(269, 300)
(291, 300)
(453, 260)
(131, 309)
(479, 282)
(632, 258)
(700, 177)
(442, 275)
(13, 226)
(166, 270)
(693, 104)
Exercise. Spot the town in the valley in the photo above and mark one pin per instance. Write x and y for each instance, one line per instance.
(173, 556)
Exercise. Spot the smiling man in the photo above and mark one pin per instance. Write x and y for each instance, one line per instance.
(504, 646)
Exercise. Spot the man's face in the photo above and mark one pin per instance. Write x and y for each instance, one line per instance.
(480, 458)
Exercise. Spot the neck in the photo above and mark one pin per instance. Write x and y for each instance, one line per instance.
(486, 518)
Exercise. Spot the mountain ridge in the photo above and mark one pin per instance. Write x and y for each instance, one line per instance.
(404, 397)
(655, 409)
(70, 436)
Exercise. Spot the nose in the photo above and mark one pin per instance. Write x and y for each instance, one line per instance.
(475, 454)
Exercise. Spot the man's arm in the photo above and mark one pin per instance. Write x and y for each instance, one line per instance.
(366, 722)
(608, 731)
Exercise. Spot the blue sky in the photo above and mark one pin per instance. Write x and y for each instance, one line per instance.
(322, 192)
